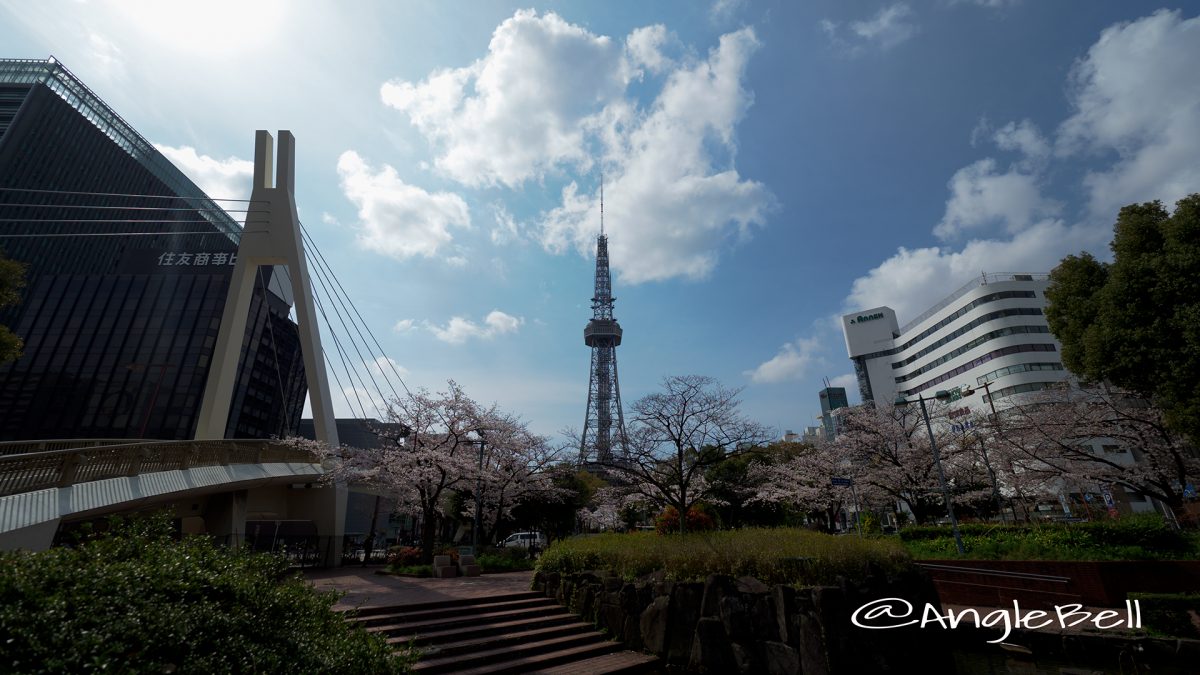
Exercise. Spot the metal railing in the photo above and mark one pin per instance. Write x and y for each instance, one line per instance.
(25, 447)
(31, 471)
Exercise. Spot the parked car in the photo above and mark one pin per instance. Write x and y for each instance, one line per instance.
(524, 540)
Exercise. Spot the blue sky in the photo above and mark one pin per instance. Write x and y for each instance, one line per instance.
(769, 165)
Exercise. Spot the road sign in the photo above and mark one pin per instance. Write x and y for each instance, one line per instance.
(843, 482)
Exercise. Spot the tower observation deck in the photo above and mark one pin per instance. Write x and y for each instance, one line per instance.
(603, 441)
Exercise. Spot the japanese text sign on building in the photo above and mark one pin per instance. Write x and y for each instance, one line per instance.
(185, 259)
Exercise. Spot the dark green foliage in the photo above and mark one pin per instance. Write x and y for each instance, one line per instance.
(505, 560)
(136, 601)
(1142, 537)
(556, 515)
(1136, 322)
(12, 280)
(1171, 614)
(784, 555)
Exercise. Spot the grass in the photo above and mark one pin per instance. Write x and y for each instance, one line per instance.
(786, 556)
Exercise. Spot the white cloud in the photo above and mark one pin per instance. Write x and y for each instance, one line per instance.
(645, 48)
(458, 330)
(106, 56)
(669, 208)
(507, 229)
(911, 281)
(993, 4)
(221, 179)
(386, 366)
(398, 219)
(847, 382)
(403, 326)
(1137, 94)
(980, 195)
(1026, 139)
(889, 27)
(518, 112)
(792, 362)
(456, 261)
(549, 96)
(722, 11)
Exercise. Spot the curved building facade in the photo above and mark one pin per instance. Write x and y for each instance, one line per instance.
(990, 332)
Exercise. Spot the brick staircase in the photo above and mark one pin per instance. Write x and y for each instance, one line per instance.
(520, 633)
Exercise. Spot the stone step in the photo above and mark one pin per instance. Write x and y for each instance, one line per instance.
(446, 623)
(485, 630)
(408, 614)
(617, 663)
(520, 663)
(499, 656)
(437, 604)
(509, 639)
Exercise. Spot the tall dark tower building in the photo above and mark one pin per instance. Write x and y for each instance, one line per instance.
(128, 265)
(603, 334)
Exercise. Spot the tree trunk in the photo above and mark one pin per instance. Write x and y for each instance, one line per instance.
(428, 532)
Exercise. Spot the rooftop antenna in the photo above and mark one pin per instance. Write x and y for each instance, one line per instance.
(601, 203)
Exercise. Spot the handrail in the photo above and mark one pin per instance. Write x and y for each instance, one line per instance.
(28, 472)
(996, 573)
(23, 447)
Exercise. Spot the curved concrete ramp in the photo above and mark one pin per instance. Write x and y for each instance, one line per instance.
(43, 489)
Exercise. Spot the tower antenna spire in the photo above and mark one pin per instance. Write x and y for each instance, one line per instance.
(603, 440)
(602, 203)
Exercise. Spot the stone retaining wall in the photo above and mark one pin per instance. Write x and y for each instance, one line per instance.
(728, 626)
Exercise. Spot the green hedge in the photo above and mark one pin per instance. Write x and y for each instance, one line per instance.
(136, 601)
(1170, 613)
(1141, 537)
(788, 556)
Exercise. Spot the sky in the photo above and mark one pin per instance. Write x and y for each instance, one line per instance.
(767, 166)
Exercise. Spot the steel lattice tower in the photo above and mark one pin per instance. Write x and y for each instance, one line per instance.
(601, 442)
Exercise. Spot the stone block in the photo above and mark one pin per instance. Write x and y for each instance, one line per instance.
(711, 650)
(779, 659)
(653, 625)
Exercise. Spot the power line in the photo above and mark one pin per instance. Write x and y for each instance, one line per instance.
(337, 302)
(120, 194)
(99, 207)
(321, 263)
(110, 234)
(321, 260)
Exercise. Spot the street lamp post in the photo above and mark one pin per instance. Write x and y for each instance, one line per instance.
(937, 460)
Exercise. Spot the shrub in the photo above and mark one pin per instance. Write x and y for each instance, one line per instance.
(1173, 614)
(501, 562)
(403, 556)
(697, 521)
(136, 601)
(787, 556)
(1141, 537)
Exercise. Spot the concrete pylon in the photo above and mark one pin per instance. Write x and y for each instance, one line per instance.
(272, 237)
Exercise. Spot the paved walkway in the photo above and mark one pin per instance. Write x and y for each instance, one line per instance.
(364, 588)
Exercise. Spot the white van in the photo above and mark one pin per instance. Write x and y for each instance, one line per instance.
(524, 540)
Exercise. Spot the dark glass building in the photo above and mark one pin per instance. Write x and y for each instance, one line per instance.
(128, 267)
(832, 398)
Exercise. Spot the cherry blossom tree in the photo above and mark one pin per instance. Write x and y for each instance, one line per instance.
(433, 449)
(676, 435)
(1097, 435)
(887, 449)
(805, 480)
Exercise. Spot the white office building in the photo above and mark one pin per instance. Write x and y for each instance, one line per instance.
(991, 331)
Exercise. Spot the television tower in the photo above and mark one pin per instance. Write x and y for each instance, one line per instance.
(603, 334)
